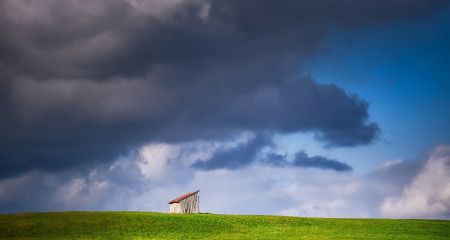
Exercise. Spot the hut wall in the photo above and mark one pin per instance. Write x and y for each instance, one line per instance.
(188, 205)
(175, 208)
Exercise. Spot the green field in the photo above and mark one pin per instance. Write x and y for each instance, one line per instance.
(143, 225)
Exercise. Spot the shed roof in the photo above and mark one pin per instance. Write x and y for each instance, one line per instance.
(182, 197)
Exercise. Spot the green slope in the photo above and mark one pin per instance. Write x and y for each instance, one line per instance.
(143, 225)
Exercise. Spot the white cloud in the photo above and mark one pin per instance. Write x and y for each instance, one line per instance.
(280, 191)
(389, 164)
(157, 158)
(154, 158)
(428, 195)
(81, 192)
(129, 184)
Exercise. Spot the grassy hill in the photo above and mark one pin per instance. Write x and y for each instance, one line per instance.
(143, 225)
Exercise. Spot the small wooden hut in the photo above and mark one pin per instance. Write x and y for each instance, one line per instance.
(187, 203)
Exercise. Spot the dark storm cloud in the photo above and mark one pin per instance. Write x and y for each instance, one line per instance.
(83, 83)
(252, 151)
(237, 157)
(303, 160)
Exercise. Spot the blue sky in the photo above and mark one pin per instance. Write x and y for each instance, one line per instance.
(403, 71)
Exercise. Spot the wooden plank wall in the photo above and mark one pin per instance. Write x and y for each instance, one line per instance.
(188, 205)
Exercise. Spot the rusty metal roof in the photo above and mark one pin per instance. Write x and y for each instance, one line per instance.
(182, 197)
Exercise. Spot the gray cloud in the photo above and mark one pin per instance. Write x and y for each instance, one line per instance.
(274, 190)
(236, 157)
(84, 84)
(168, 38)
(303, 160)
(252, 151)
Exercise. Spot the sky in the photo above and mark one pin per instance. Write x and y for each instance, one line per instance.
(300, 108)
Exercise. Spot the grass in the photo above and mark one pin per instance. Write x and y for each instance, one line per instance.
(144, 225)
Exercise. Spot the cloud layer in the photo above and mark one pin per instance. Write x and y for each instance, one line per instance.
(90, 91)
(261, 149)
(428, 195)
(160, 172)
(80, 86)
